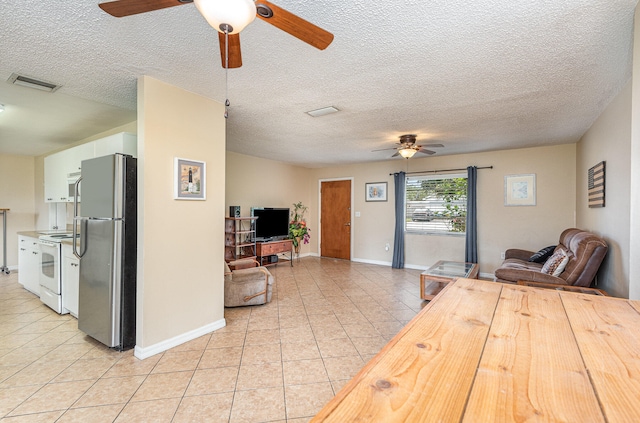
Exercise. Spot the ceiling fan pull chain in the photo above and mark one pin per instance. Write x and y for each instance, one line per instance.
(226, 73)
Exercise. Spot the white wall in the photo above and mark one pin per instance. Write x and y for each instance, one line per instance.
(634, 186)
(180, 243)
(17, 194)
(254, 182)
(608, 139)
(615, 138)
(499, 227)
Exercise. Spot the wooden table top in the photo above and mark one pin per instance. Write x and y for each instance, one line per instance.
(490, 352)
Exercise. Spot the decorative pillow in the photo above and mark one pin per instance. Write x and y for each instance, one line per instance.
(542, 255)
(555, 265)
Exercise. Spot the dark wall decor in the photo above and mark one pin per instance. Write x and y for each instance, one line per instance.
(596, 185)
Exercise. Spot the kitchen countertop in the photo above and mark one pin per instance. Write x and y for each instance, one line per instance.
(37, 234)
(33, 234)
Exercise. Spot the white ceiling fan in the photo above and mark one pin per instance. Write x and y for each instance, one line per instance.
(229, 17)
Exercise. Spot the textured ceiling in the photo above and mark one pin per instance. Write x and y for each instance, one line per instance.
(475, 76)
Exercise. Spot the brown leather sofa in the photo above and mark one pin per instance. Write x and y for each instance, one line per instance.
(585, 250)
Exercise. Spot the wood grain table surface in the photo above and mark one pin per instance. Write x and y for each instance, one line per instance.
(489, 352)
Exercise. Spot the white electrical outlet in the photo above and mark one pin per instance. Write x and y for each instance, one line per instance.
(502, 255)
(387, 246)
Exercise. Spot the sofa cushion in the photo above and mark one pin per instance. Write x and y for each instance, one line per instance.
(556, 263)
(542, 255)
(514, 270)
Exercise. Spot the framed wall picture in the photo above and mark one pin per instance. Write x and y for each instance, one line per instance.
(375, 191)
(189, 179)
(520, 190)
(596, 185)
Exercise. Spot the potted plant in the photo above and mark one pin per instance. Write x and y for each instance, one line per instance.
(298, 230)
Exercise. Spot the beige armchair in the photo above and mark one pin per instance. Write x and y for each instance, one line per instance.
(247, 285)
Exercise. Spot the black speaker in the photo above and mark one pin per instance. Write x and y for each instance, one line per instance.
(234, 211)
(273, 258)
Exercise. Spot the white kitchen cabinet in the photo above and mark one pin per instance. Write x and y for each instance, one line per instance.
(60, 167)
(55, 178)
(75, 155)
(123, 142)
(70, 279)
(29, 263)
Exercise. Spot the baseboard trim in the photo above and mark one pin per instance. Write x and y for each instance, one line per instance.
(367, 261)
(388, 263)
(163, 346)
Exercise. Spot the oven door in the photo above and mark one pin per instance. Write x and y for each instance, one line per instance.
(49, 275)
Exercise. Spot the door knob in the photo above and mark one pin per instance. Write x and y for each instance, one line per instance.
(347, 224)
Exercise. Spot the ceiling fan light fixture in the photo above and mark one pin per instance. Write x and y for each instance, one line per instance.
(232, 15)
(407, 153)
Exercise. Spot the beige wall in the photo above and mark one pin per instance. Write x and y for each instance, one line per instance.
(500, 227)
(608, 139)
(255, 182)
(17, 194)
(634, 188)
(180, 243)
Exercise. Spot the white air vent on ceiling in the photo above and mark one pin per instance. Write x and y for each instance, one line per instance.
(25, 81)
(323, 111)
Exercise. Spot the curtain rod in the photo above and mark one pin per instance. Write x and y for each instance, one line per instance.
(442, 170)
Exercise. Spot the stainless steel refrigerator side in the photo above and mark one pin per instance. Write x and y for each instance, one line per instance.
(108, 244)
(97, 281)
(98, 187)
(129, 256)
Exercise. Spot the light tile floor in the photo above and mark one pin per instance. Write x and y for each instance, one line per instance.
(279, 362)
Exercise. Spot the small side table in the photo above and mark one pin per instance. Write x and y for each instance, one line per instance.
(435, 278)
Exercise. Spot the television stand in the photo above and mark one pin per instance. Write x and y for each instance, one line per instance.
(264, 249)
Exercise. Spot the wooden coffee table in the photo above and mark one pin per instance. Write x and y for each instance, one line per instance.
(443, 272)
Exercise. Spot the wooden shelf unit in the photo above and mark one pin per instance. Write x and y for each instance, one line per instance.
(239, 238)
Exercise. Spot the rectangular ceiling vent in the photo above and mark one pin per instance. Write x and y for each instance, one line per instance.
(323, 111)
(25, 81)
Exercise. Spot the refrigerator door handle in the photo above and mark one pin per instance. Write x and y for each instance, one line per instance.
(75, 219)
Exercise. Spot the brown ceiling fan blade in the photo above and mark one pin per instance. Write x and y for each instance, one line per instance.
(384, 149)
(235, 57)
(294, 25)
(397, 154)
(432, 145)
(121, 8)
(429, 152)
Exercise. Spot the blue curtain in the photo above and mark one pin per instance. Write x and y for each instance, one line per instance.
(398, 243)
(471, 245)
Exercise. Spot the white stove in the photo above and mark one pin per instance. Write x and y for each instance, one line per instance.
(51, 270)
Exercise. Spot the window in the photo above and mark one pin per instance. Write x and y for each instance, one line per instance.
(436, 204)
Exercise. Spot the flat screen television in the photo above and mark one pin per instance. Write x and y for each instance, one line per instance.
(271, 223)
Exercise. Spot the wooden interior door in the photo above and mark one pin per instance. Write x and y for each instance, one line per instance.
(335, 219)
